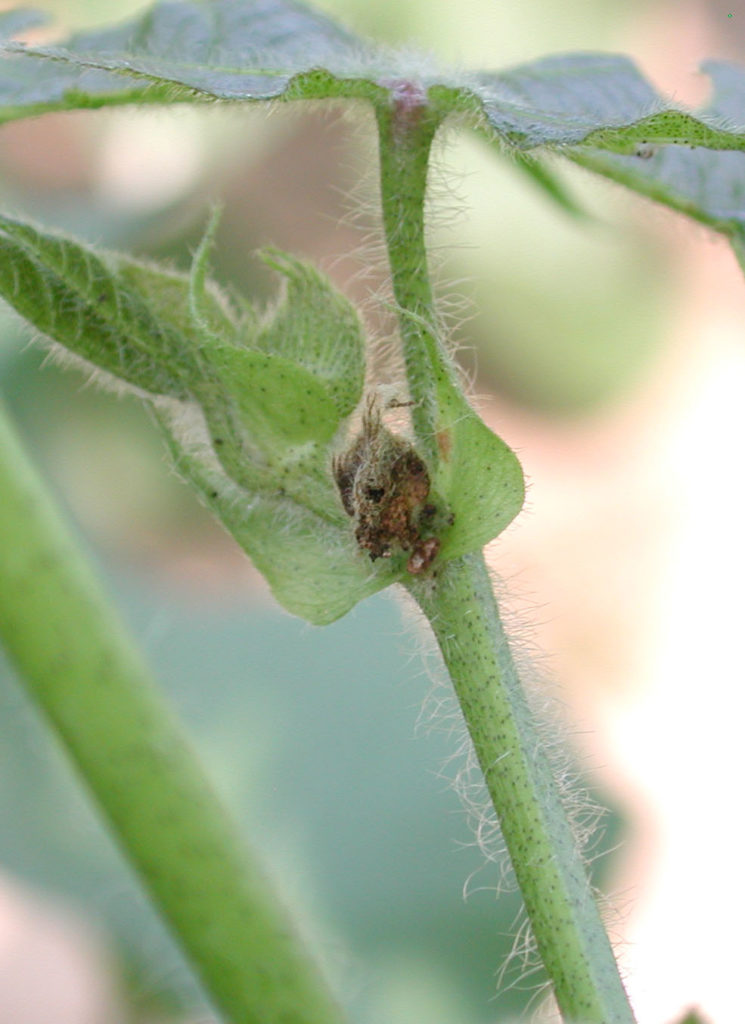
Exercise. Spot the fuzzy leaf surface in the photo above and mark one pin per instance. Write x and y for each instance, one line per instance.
(311, 561)
(279, 401)
(316, 327)
(268, 49)
(29, 86)
(95, 306)
(249, 427)
(601, 100)
(193, 50)
(597, 109)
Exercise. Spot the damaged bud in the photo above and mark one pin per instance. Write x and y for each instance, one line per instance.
(384, 486)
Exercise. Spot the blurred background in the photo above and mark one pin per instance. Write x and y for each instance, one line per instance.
(607, 350)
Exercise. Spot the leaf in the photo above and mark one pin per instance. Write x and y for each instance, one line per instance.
(707, 185)
(251, 427)
(479, 475)
(314, 568)
(266, 49)
(312, 564)
(254, 50)
(590, 99)
(100, 307)
(29, 86)
(279, 401)
(189, 51)
(549, 183)
(318, 328)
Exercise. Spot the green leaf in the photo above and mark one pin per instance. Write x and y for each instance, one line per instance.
(707, 185)
(267, 49)
(316, 327)
(314, 568)
(549, 183)
(102, 308)
(280, 402)
(190, 51)
(254, 50)
(479, 475)
(29, 86)
(251, 427)
(591, 99)
(311, 562)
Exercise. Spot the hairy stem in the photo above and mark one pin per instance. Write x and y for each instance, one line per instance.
(74, 656)
(457, 599)
(459, 603)
(407, 129)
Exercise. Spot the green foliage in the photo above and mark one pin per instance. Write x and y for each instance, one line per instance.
(480, 475)
(595, 109)
(258, 408)
(249, 405)
(253, 408)
(692, 1016)
(697, 174)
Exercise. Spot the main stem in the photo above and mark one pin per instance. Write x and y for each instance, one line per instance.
(569, 934)
(459, 602)
(76, 660)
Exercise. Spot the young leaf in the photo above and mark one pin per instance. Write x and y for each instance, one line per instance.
(100, 307)
(312, 563)
(316, 327)
(478, 473)
(280, 402)
(250, 426)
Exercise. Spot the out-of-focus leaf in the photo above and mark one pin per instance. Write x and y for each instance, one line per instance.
(549, 183)
(253, 50)
(706, 184)
(267, 49)
(188, 51)
(601, 100)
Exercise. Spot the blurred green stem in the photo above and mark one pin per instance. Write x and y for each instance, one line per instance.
(458, 600)
(77, 661)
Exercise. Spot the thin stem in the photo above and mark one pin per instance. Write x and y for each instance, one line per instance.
(407, 129)
(80, 666)
(459, 603)
(457, 599)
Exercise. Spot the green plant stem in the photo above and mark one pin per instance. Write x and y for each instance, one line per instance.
(460, 605)
(80, 666)
(406, 130)
(458, 600)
